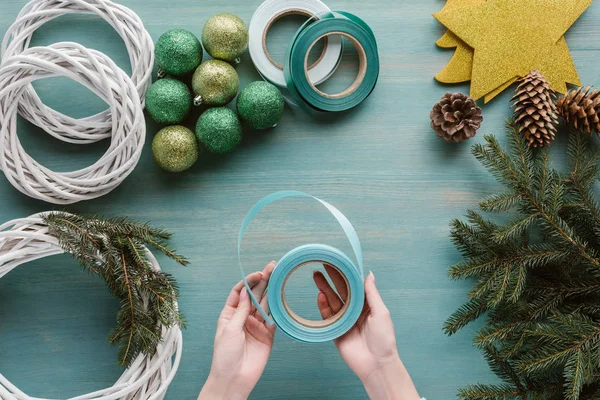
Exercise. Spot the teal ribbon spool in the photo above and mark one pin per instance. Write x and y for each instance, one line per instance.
(296, 62)
(290, 323)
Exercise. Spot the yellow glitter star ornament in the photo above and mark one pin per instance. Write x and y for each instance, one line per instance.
(460, 66)
(511, 37)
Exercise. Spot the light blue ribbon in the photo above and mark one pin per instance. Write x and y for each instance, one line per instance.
(309, 253)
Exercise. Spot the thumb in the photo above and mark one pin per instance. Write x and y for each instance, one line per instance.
(374, 299)
(243, 310)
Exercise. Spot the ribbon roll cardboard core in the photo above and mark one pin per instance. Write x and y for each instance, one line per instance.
(362, 69)
(276, 18)
(312, 323)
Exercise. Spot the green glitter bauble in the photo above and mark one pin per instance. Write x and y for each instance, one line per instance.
(175, 148)
(168, 101)
(225, 37)
(219, 130)
(216, 82)
(178, 52)
(260, 105)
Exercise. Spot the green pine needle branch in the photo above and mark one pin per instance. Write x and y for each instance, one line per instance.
(536, 277)
(116, 250)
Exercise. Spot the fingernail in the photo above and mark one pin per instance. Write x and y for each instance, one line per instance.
(315, 271)
(372, 275)
(273, 262)
(244, 294)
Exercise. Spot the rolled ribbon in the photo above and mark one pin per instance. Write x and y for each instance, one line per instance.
(262, 20)
(298, 81)
(289, 322)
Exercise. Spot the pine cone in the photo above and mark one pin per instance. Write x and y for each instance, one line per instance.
(581, 109)
(535, 111)
(456, 117)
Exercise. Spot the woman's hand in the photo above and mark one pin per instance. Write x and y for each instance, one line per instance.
(369, 348)
(243, 342)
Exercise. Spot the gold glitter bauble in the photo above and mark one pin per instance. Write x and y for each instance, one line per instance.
(225, 37)
(175, 148)
(215, 83)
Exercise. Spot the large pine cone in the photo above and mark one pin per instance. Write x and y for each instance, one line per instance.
(581, 109)
(535, 111)
(456, 117)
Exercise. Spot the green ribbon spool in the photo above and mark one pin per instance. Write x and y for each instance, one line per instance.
(296, 62)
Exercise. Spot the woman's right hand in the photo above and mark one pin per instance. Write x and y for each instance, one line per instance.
(369, 348)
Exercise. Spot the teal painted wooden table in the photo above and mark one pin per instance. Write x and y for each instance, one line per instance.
(380, 164)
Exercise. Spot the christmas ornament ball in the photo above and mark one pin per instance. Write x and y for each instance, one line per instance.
(225, 37)
(178, 52)
(219, 130)
(168, 101)
(175, 148)
(215, 83)
(260, 105)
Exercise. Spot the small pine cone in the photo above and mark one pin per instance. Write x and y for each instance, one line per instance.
(581, 109)
(535, 112)
(456, 117)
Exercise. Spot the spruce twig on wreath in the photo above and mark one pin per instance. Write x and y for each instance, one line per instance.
(115, 249)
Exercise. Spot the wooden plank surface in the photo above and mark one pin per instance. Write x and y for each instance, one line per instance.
(380, 164)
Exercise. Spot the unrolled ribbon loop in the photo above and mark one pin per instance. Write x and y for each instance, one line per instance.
(289, 322)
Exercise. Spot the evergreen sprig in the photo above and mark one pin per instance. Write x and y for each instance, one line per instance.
(116, 250)
(537, 276)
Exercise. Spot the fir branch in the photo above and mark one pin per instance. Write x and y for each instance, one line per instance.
(463, 316)
(159, 245)
(498, 332)
(531, 257)
(500, 202)
(505, 167)
(541, 171)
(116, 250)
(515, 228)
(576, 370)
(519, 283)
(131, 307)
(522, 153)
(490, 392)
(492, 287)
(537, 276)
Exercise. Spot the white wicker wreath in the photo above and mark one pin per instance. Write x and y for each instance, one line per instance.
(147, 378)
(100, 74)
(127, 24)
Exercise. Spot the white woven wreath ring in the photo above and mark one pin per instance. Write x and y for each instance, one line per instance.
(102, 76)
(147, 378)
(127, 24)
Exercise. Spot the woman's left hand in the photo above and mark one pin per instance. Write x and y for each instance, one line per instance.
(243, 342)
